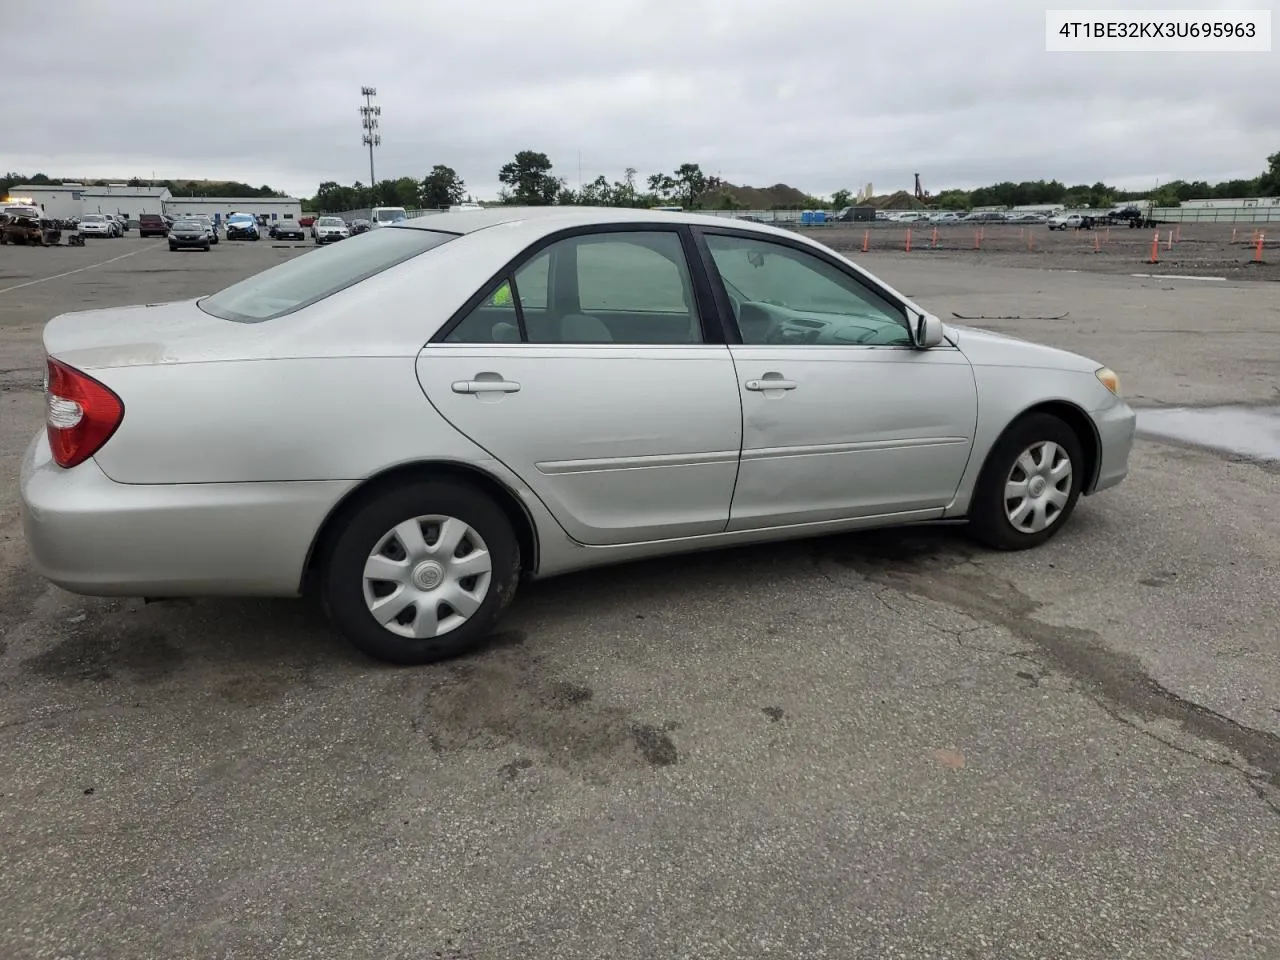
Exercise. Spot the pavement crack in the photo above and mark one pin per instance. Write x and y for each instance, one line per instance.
(924, 567)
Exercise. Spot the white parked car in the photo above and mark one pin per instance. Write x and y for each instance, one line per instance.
(385, 216)
(329, 230)
(96, 225)
(1066, 221)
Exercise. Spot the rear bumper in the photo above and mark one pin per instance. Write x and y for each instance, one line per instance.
(1117, 425)
(90, 535)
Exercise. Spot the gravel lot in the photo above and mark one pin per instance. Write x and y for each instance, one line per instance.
(863, 746)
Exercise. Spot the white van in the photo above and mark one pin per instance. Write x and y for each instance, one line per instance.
(382, 216)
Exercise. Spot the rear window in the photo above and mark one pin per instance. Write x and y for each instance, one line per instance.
(310, 278)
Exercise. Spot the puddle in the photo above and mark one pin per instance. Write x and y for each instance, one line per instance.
(1252, 432)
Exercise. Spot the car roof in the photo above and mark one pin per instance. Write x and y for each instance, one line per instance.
(552, 218)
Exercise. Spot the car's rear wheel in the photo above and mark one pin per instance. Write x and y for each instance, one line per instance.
(1030, 484)
(421, 573)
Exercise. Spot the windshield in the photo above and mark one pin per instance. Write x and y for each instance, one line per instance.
(330, 222)
(391, 215)
(310, 278)
(22, 211)
(189, 225)
(92, 218)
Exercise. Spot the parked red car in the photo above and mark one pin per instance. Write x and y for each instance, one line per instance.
(152, 225)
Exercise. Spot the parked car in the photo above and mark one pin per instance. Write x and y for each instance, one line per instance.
(330, 230)
(385, 216)
(114, 229)
(1071, 221)
(358, 226)
(517, 463)
(307, 219)
(288, 229)
(150, 225)
(189, 233)
(96, 225)
(242, 226)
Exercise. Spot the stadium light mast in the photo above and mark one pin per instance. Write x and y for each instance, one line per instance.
(369, 115)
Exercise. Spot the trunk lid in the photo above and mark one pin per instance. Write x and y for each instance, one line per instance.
(151, 334)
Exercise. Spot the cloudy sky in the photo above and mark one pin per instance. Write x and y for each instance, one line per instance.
(820, 94)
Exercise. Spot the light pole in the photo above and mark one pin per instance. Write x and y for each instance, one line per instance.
(369, 122)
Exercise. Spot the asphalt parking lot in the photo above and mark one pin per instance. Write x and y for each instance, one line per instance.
(891, 744)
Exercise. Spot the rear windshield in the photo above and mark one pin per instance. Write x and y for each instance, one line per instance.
(313, 276)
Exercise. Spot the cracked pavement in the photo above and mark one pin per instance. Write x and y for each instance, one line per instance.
(890, 744)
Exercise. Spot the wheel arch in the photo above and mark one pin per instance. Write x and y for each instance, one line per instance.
(1081, 425)
(517, 514)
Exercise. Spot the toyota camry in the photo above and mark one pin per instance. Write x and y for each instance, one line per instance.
(407, 424)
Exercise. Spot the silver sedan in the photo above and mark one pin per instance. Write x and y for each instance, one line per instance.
(407, 423)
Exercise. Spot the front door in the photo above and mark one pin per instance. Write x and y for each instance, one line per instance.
(587, 373)
(843, 417)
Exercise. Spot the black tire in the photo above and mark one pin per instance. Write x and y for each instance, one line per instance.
(342, 577)
(988, 520)
(173, 247)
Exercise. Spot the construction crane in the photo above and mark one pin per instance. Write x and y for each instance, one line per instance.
(920, 194)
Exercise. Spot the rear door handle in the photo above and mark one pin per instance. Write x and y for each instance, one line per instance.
(770, 384)
(485, 386)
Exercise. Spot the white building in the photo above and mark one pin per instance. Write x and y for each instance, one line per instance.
(66, 200)
(1228, 204)
(273, 208)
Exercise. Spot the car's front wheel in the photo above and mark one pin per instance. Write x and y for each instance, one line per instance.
(1029, 485)
(421, 573)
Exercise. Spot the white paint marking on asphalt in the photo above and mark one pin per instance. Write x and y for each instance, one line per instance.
(1153, 276)
(59, 276)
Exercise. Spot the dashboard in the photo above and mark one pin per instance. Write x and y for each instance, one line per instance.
(762, 322)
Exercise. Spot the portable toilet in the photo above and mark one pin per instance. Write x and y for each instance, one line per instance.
(806, 217)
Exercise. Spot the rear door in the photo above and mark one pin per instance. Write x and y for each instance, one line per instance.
(590, 371)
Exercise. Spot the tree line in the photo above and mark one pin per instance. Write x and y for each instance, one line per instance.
(530, 179)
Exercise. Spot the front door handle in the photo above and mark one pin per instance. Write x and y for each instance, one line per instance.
(769, 383)
(485, 386)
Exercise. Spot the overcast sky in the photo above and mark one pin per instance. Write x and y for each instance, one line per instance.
(820, 94)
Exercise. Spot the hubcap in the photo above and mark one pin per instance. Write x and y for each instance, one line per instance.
(427, 576)
(1038, 487)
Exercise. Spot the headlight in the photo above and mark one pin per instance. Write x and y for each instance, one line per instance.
(1107, 377)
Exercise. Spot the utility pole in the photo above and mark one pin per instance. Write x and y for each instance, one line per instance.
(369, 122)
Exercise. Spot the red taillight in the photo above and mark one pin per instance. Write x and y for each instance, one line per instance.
(81, 414)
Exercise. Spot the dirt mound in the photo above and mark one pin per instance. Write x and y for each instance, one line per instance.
(779, 196)
(902, 200)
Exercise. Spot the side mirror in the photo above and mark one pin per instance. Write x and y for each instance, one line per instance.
(928, 331)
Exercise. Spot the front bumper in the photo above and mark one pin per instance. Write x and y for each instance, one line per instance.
(201, 241)
(93, 536)
(1117, 425)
